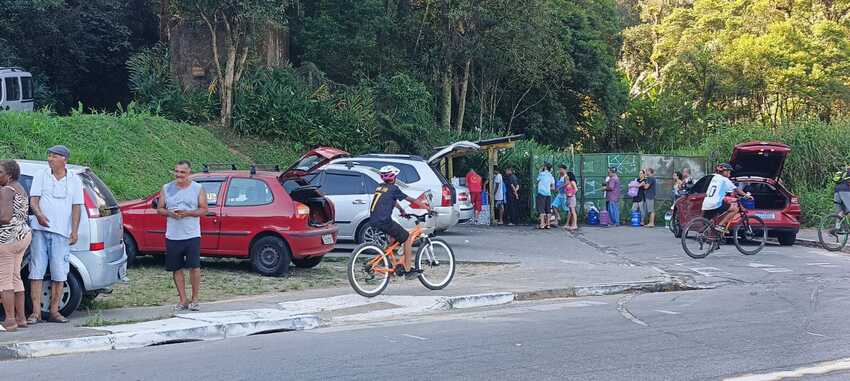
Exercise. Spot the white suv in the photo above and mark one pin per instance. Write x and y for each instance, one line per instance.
(419, 173)
(16, 89)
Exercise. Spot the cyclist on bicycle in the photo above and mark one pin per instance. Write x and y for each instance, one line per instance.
(715, 204)
(842, 191)
(387, 196)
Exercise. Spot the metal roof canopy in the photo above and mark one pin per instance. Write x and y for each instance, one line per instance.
(492, 146)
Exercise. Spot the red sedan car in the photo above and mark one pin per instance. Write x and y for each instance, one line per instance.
(265, 216)
(757, 167)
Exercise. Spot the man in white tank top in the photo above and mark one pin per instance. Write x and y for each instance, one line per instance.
(183, 202)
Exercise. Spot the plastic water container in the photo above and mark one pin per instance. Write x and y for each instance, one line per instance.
(593, 217)
(635, 218)
(668, 218)
(604, 219)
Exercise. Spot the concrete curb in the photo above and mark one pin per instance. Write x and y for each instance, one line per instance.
(672, 284)
(816, 244)
(197, 331)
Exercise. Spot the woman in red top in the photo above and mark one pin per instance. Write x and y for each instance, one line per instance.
(473, 182)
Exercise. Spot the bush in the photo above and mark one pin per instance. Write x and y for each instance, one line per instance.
(154, 88)
(133, 152)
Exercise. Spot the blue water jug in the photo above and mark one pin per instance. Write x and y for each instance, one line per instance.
(593, 217)
(635, 218)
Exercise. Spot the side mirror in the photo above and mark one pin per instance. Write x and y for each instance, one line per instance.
(155, 203)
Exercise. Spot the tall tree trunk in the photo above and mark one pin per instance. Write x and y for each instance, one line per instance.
(447, 98)
(164, 21)
(461, 103)
(227, 85)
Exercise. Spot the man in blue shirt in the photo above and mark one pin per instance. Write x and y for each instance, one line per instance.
(545, 187)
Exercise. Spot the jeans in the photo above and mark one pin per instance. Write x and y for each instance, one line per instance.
(614, 212)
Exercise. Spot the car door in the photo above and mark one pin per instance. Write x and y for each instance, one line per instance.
(247, 208)
(211, 223)
(155, 225)
(348, 192)
(694, 199)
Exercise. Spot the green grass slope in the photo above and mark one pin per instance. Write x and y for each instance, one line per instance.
(132, 152)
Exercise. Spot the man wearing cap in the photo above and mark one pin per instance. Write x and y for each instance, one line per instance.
(55, 199)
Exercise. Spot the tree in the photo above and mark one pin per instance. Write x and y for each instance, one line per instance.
(234, 27)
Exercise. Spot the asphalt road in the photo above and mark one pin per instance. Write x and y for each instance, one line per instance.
(785, 309)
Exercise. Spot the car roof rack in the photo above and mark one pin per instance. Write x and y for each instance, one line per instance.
(264, 167)
(12, 68)
(390, 156)
(218, 166)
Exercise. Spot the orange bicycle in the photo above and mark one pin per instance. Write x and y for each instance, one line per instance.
(370, 266)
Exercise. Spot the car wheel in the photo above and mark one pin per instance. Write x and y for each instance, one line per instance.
(370, 234)
(676, 225)
(270, 256)
(70, 299)
(787, 239)
(131, 249)
(307, 262)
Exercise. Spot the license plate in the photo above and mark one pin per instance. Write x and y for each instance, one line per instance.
(766, 216)
(327, 239)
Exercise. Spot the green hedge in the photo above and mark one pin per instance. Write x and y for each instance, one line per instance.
(132, 152)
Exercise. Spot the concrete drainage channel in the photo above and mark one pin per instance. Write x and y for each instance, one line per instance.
(302, 315)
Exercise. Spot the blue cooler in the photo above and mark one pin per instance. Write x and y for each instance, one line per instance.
(593, 217)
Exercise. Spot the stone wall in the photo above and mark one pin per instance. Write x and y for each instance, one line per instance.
(192, 57)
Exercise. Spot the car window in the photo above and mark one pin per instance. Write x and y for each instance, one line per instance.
(98, 192)
(309, 162)
(702, 185)
(248, 192)
(26, 182)
(26, 88)
(407, 172)
(212, 189)
(13, 91)
(342, 184)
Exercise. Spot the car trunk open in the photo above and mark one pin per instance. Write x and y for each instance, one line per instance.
(321, 208)
(759, 159)
(765, 196)
(313, 160)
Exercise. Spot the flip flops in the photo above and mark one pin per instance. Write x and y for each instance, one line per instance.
(58, 319)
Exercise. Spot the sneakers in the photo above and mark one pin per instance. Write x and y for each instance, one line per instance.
(721, 229)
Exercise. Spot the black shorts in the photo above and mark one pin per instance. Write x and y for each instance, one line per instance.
(543, 204)
(716, 212)
(393, 229)
(182, 254)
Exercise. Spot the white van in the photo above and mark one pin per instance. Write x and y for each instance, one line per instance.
(15, 89)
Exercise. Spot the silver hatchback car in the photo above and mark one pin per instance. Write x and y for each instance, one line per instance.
(97, 259)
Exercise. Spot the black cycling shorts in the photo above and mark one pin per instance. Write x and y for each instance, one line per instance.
(393, 229)
(716, 212)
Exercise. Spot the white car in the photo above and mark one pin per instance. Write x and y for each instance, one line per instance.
(419, 173)
(98, 259)
(351, 189)
(464, 204)
(15, 89)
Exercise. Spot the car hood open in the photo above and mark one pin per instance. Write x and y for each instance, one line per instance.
(759, 159)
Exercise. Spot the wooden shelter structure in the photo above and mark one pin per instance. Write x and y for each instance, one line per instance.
(492, 147)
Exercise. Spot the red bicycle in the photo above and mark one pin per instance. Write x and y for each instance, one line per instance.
(702, 236)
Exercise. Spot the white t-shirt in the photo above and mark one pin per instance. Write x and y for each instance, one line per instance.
(499, 186)
(718, 188)
(55, 200)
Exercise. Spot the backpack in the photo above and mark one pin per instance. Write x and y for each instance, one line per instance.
(633, 188)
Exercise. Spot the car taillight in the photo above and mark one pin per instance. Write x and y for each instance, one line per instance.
(91, 207)
(447, 196)
(301, 210)
(97, 246)
(463, 196)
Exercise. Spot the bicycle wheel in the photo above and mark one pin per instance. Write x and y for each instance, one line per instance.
(361, 270)
(437, 262)
(833, 232)
(699, 238)
(750, 235)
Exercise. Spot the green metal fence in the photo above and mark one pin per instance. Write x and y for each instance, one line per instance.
(591, 170)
